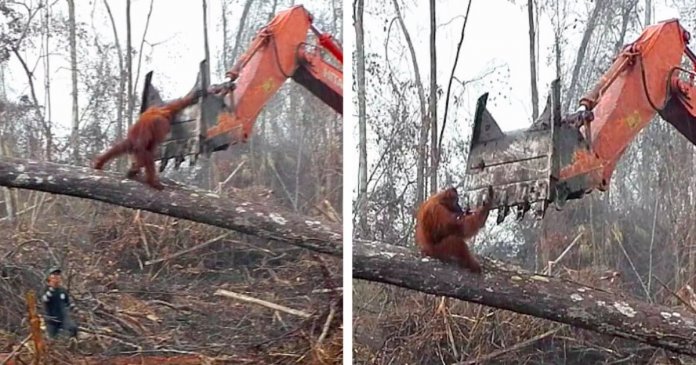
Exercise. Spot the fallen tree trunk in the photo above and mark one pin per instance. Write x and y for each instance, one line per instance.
(536, 295)
(176, 201)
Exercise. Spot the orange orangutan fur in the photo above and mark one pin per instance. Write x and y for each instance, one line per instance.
(443, 228)
(145, 136)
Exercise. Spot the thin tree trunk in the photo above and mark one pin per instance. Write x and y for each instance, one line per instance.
(142, 44)
(580, 58)
(434, 153)
(648, 12)
(334, 17)
(121, 83)
(557, 50)
(45, 125)
(225, 43)
(240, 31)
(273, 10)
(359, 7)
(449, 84)
(10, 207)
(47, 62)
(625, 17)
(4, 151)
(532, 59)
(129, 64)
(3, 90)
(207, 163)
(423, 139)
(47, 82)
(75, 131)
(298, 171)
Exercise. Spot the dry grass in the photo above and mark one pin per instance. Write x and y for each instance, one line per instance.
(169, 308)
(398, 326)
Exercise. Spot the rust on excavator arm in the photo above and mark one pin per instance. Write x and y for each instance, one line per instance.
(644, 80)
(227, 112)
(277, 53)
(562, 158)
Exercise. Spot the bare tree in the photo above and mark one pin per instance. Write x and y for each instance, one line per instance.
(225, 43)
(451, 78)
(142, 44)
(129, 64)
(532, 59)
(7, 195)
(240, 31)
(423, 140)
(45, 124)
(434, 153)
(47, 60)
(207, 163)
(121, 79)
(359, 6)
(205, 37)
(6, 192)
(626, 11)
(74, 131)
(580, 58)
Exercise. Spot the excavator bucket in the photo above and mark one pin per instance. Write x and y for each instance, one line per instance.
(189, 128)
(521, 165)
(561, 158)
(680, 108)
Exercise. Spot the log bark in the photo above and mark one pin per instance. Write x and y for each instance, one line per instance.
(541, 296)
(175, 200)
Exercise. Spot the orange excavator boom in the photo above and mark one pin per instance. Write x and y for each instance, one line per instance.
(281, 50)
(564, 157)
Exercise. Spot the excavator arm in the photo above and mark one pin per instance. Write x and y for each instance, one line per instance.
(226, 113)
(565, 157)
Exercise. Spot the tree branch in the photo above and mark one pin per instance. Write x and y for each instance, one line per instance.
(541, 296)
(175, 200)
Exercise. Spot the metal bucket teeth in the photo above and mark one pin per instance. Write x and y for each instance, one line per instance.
(518, 164)
(187, 137)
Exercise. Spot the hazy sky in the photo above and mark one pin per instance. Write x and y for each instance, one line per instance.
(496, 35)
(176, 30)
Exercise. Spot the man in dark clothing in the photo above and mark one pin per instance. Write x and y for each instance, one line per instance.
(57, 303)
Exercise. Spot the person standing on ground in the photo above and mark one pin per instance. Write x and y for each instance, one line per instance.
(57, 305)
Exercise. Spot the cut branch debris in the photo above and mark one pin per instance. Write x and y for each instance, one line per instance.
(188, 250)
(246, 298)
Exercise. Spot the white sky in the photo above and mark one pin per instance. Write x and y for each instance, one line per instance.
(176, 29)
(496, 34)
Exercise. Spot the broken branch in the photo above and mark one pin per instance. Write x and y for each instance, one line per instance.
(245, 298)
(188, 250)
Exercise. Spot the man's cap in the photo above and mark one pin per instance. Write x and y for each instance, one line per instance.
(53, 270)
